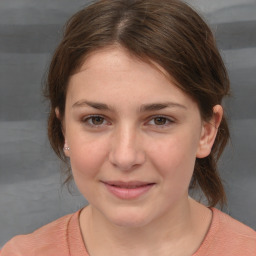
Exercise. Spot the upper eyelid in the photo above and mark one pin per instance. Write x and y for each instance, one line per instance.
(168, 118)
(150, 117)
(93, 115)
(163, 116)
(88, 117)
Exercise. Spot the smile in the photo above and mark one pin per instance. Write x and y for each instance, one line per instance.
(128, 190)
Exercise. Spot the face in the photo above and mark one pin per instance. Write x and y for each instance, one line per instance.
(133, 138)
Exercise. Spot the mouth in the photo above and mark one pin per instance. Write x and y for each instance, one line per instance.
(128, 190)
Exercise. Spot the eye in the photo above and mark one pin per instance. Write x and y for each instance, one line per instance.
(95, 121)
(160, 121)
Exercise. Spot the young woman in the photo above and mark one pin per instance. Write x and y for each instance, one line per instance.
(136, 88)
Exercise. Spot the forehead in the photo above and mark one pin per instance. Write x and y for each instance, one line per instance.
(114, 54)
(115, 74)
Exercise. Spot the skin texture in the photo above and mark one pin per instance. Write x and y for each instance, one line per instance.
(143, 129)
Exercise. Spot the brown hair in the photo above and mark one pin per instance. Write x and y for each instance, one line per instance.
(168, 32)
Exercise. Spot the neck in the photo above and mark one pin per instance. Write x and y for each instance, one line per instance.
(184, 224)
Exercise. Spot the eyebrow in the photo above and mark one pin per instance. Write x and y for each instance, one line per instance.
(159, 106)
(143, 108)
(96, 105)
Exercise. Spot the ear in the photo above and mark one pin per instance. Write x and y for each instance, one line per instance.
(57, 113)
(65, 147)
(209, 132)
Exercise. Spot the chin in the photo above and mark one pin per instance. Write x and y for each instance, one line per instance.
(129, 218)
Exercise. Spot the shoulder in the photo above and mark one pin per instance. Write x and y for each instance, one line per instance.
(228, 236)
(50, 239)
(232, 226)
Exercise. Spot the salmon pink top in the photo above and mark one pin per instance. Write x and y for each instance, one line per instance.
(226, 237)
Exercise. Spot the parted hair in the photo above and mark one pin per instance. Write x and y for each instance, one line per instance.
(167, 32)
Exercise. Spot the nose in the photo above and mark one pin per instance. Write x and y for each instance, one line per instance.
(126, 149)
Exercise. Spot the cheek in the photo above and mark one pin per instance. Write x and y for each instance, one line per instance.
(87, 157)
(175, 158)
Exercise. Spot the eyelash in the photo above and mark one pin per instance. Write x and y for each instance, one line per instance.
(167, 119)
(87, 120)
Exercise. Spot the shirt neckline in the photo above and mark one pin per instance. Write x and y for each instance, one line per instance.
(77, 247)
(214, 226)
(74, 236)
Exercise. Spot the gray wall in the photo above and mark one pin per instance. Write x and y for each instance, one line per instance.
(30, 191)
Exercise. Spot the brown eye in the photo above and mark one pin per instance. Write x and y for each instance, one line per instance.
(160, 120)
(97, 120)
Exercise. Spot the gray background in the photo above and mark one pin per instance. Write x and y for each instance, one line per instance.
(30, 190)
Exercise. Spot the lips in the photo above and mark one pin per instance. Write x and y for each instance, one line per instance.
(128, 190)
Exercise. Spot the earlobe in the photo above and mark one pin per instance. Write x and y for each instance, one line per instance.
(66, 149)
(57, 112)
(209, 132)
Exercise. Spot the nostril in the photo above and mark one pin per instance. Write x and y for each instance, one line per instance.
(126, 150)
(126, 161)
